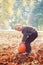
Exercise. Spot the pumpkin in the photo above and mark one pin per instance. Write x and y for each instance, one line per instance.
(22, 48)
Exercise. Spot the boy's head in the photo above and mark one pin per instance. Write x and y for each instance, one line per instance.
(18, 27)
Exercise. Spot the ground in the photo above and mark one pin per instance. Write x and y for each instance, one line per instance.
(9, 54)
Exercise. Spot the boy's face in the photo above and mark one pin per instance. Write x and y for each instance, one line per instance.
(18, 27)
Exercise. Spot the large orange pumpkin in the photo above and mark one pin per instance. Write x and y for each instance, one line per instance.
(22, 48)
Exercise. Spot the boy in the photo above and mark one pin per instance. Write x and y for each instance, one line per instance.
(29, 35)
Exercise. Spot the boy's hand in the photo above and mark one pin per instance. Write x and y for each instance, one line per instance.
(22, 47)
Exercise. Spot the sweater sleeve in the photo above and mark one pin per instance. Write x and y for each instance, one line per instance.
(25, 33)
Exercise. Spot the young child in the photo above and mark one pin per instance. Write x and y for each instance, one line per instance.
(29, 35)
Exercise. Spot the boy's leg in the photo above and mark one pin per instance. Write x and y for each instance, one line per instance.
(31, 38)
(28, 49)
